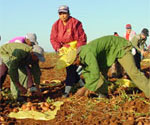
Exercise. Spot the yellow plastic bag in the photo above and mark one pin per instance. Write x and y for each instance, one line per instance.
(67, 55)
(49, 115)
(125, 83)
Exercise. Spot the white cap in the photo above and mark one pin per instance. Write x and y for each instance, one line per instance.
(39, 52)
(32, 37)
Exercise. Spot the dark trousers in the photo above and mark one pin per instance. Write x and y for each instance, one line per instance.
(72, 75)
(3, 74)
(137, 58)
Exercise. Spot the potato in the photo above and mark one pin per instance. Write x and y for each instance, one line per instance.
(23, 107)
(44, 108)
(46, 104)
(28, 109)
(42, 104)
(33, 108)
(45, 92)
(45, 81)
(15, 110)
(2, 119)
(29, 104)
(52, 107)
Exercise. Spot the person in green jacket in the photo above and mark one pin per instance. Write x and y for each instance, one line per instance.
(138, 42)
(97, 56)
(15, 57)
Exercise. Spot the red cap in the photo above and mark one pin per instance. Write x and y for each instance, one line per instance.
(128, 26)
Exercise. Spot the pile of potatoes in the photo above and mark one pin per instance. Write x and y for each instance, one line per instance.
(41, 107)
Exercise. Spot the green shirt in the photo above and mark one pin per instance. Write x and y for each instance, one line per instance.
(138, 42)
(99, 55)
(17, 56)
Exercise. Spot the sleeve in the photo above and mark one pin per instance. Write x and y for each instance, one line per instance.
(80, 35)
(134, 41)
(13, 70)
(53, 38)
(91, 72)
(18, 56)
(35, 70)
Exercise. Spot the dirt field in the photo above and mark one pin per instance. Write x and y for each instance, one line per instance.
(124, 106)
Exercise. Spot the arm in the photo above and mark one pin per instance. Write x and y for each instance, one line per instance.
(13, 73)
(91, 72)
(80, 35)
(35, 69)
(135, 43)
(53, 38)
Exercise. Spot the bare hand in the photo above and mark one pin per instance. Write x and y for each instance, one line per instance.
(142, 52)
(81, 91)
(22, 89)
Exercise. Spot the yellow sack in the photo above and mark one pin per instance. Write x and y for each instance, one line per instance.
(64, 50)
(67, 55)
(49, 115)
(125, 83)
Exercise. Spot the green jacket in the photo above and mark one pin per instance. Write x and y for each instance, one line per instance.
(99, 55)
(138, 42)
(17, 56)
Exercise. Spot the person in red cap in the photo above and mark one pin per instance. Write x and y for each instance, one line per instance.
(129, 32)
(65, 30)
(116, 34)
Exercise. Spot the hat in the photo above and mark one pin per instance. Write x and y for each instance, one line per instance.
(39, 52)
(145, 32)
(128, 26)
(32, 37)
(64, 9)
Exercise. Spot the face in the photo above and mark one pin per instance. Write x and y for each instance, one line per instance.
(143, 36)
(28, 42)
(64, 16)
(128, 30)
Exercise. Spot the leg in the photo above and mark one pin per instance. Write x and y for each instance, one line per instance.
(71, 79)
(137, 58)
(128, 63)
(23, 79)
(3, 73)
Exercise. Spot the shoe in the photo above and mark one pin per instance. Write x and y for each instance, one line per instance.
(65, 95)
(100, 95)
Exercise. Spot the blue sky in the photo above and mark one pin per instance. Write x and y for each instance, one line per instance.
(99, 17)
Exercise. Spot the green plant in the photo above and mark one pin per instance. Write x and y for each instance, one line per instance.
(48, 100)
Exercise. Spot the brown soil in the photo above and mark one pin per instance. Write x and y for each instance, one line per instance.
(122, 107)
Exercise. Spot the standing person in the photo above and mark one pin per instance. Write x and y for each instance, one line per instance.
(29, 38)
(100, 54)
(139, 41)
(129, 32)
(14, 58)
(65, 30)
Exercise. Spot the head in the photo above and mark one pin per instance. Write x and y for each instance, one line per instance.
(128, 28)
(31, 39)
(64, 13)
(116, 34)
(38, 53)
(144, 33)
